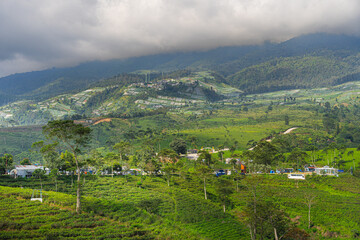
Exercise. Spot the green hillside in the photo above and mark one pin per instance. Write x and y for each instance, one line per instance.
(116, 207)
(315, 55)
(168, 202)
(122, 96)
(296, 72)
(157, 117)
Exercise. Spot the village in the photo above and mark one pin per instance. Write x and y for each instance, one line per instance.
(234, 166)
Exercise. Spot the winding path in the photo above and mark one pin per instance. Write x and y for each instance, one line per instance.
(290, 130)
(269, 140)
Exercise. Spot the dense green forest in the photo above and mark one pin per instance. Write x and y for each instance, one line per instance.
(296, 72)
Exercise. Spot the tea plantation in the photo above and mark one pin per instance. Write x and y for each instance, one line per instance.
(147, 208)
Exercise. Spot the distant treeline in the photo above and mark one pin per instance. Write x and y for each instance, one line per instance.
(296, 72)
(348, 78)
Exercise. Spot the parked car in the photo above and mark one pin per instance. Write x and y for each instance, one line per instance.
(220, 173)
(296, 176)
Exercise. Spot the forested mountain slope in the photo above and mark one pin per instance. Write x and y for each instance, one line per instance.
(306, 61)
(297, 72)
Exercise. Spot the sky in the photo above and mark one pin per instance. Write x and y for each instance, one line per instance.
(40, 34)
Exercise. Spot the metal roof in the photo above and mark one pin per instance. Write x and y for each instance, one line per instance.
(29, 167)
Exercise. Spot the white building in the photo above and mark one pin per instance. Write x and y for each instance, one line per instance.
(326, 170)
(26, 170)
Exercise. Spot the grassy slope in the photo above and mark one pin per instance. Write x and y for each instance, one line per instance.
(294, 72)
(217, 125)
(222, 127)
(24, 219)
(179, 211)
(154, 211)
(336, 206)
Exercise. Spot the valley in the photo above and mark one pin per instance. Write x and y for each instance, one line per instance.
(187, 146)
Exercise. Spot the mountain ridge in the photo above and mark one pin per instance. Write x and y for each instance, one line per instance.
(228, 62)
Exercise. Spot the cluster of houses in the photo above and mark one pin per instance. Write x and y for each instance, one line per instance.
(324, 171)
(159, 85)
(26, 171)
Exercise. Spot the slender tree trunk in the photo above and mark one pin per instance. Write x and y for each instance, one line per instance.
(78, 203)
(275, 234)
(224, 207)
(309, 216)
(55, 184)
(309, 202)
(205, 188)
(254, 194)
(251, 233)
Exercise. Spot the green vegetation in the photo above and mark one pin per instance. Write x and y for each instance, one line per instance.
(295, 73)
(21, 218)
(144, 122)
(117, 206)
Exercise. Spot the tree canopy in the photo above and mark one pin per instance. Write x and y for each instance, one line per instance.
(179, 145)
(73, 137)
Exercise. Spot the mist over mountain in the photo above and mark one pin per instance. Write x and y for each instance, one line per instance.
(306, 61)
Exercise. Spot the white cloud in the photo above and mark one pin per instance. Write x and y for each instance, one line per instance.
(44, 33)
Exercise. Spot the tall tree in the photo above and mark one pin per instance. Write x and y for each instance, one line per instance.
(110, 160)
(238, 175)
(39, 173)
(221, 155)
(204, 173)
(287, 120)
(6, 161)
(168, 169)
(251, 211)
(53, 175)
(168, 155)
(74, 138)
(95, 159)
(179, 146)
(25, 161)
(123, 148)
(49, 153)
(223, 188)
(309, 200)
(265, 153)
(297, 156)
(205, 158)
